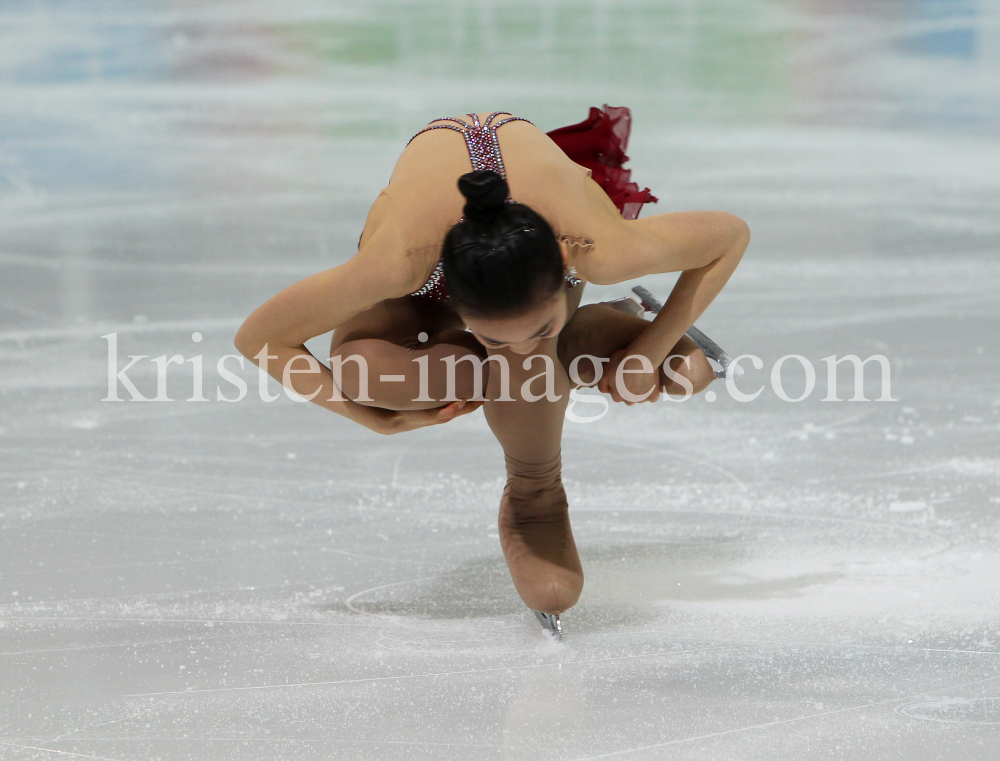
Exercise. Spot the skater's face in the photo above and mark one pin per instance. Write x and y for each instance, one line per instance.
(523, 333)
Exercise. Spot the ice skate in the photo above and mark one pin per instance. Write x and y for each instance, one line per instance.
(537, 540)
(627, 305)
(550, 622)
(710, 349)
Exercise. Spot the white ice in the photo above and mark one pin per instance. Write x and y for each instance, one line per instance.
(764, 580)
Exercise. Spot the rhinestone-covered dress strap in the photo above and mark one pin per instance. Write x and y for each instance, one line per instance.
(480, 138)
(484, 153)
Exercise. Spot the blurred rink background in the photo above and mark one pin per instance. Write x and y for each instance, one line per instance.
(765, 580)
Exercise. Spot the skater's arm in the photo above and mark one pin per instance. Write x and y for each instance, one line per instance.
(705, 246)
(314, 306)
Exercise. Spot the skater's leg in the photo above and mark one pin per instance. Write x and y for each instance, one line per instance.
(534, 523)
(387, 337)
(600, 330)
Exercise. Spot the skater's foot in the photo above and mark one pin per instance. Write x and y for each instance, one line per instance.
(536, 537)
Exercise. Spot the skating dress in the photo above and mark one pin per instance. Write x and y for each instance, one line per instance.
(422, 201)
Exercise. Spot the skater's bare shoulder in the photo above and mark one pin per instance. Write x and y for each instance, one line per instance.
(670, 242)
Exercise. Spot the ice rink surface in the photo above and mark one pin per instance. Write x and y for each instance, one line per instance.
(246, 580)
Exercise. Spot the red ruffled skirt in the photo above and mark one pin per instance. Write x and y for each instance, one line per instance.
(599, 143)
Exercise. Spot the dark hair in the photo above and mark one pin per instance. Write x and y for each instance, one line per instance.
(503, 258)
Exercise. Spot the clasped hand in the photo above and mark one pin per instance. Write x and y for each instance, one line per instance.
(637, 383)
(388, 422)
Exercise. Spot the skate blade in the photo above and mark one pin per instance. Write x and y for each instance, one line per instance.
(708, 347)
(627, 305)
(550, 623)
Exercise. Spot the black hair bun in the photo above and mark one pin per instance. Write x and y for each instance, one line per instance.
(485, 192)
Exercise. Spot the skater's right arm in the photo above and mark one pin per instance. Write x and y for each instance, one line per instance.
(274, 335)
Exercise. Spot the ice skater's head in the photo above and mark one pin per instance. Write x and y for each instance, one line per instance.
(504, 268)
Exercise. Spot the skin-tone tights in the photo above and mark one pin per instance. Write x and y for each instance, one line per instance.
(534, 524)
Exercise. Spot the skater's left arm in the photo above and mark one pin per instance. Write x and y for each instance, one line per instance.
(705, 246)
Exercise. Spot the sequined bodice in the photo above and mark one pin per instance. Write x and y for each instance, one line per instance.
(484, 152)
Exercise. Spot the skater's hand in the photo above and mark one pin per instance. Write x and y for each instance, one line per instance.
(641, 386)
(397, 421)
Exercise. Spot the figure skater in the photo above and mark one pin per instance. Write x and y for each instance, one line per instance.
(459, 272)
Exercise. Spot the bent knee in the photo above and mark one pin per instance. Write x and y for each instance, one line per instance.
(355, 362)
(693, 367)
(703, 374)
